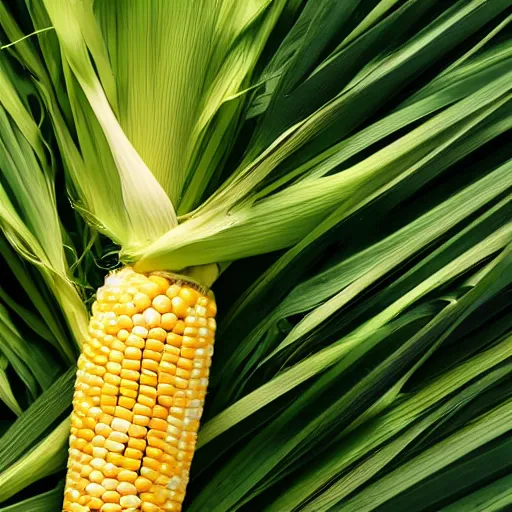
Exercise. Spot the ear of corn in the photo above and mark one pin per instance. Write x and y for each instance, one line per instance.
(139, 394)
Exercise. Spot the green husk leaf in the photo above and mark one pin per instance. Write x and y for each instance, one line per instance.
(492, 498)
(47, 458)
(46, 502)
(150, 212)
(36, 421)
(359, 443)
(285, 217)
(476, 434)
(6, 394)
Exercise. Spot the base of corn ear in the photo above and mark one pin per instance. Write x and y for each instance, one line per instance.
(139, 394)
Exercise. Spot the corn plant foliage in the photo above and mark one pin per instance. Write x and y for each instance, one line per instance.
(354, 156)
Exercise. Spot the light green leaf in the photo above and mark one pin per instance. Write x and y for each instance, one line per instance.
(48, 457)
(476, 434)
(47, 502)
(36, 421)
(6, 394)
(492, 498)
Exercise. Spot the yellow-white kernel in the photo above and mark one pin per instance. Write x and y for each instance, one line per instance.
(120, 425)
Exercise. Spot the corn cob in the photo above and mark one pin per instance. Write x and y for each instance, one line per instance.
(139, 394)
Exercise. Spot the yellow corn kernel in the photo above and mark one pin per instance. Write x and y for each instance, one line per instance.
(111, 507)
(110, 470)
(114, 368)
(155, 442)
(184, 363)
(167, 376)
(179, 327)
(140, 419)
(130, 375)
(179, 307)
(117, 344)
(85, 433)
(102, 429)
(161, 495)
(110, 484)
(189, 295)
(158, 424)
(95, 503)
(154, 453)
(168, 321)
(153, 355)
(110, 389)
(147, 390)
(181, 383)
(160, 412)
(108, 401)
(92, 391)
(125, 403)
(88, 423)
(131, 464)
(131, 453)
(137, 444)
(190, 331)
(168, 469)
(115, 458)
(95, 489)
(129, 384)
(126, 489)
(148, 401)
(111, 497)
(152, 317)
(143, 484)
(114, 380)
(157, 334)
(114, 446)
(122, 335)
(148, 378)
(130, 309)
(126, 475)
(150, 288)
(148, 473)
(133, 353)
(183, 374)
(138, 320)
(142, 410)
(131, 364)
(134, 341)
(165, 390)
(148, 462)
(119, 437)
(154, 345)
(98, 441)
(86, 471)
(173, 291)
(148, 506)
(137, 431)
(165, 401)
(162, 304)
(125, 322)
(211, 309)
(141, 301)
(149, 364)
(95, 476)
(161, 282)
(155, 433)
